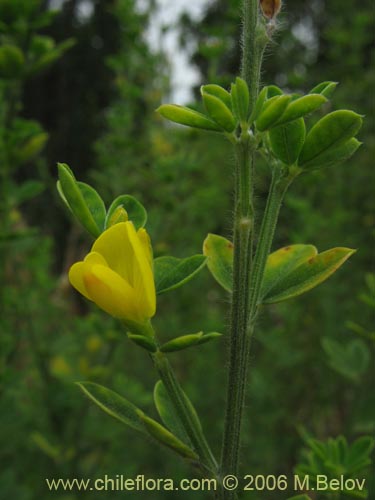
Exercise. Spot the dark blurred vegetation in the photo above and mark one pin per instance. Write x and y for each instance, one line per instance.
(312, 361)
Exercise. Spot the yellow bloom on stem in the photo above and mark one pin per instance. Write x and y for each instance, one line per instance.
(117, 274)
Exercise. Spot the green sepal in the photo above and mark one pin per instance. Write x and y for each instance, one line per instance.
(287, 140)
(146, 342)
(165, 437)
(112, 403)
(12, 61)
(308, 275)
(219, 253)
(240, 100)
(185, 341)
(324, 88)
(172, 272)
(136, 212)
(218, 92)
(187, 116)
(331, 131)
(258, 105)
(77, 198)
(334, 156)
(219, 112)
(301, 107)
(168, 414)
(272, 111)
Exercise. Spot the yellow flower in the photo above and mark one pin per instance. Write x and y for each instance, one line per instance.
(117, 274)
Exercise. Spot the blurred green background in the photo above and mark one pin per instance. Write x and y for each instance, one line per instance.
(80, 86)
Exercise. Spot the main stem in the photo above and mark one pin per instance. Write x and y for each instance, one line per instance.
(243, 237)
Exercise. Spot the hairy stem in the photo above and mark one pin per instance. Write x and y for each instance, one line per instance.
(243, 237)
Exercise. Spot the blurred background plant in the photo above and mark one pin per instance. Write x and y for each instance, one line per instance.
(92, 106)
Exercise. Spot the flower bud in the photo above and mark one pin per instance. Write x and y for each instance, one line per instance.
(270, 8)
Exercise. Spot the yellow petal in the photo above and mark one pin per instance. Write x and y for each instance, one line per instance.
(76, 278)
(77, 271)
(111, 293)
(144, 238)
(143, 275)
(113, 244)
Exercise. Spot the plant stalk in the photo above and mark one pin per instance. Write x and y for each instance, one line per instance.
(185, 411)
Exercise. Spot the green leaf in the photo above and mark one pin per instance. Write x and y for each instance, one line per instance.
(350, 359)
(113, 404)
(171, 272)
(324, 88)
(273, 90)
(308, 275)
(94, 203)
(258, 105)
(240, 99)
(302, 107)
(73, 196)
(145, 342)
(360, 451)
(184, 341)
(219, 252)
(218, 92)
(219, 112)
(282, 262)
(287, 140)
(165, 437)
(330, 132)
(135, 210)
(167, 412)
(272, 111)
(334, 155)
(187, 116)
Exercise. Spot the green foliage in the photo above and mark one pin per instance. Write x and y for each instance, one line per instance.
(307, 275)
(286, 141)
(350, 359)
(329, 135)
(121, 409)
(334, 458)
(167, 412)
(84, 202)
(272, 111)
(219, 252)
(289, 272)
(187, 116)
(171, 272)
(54, 431)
